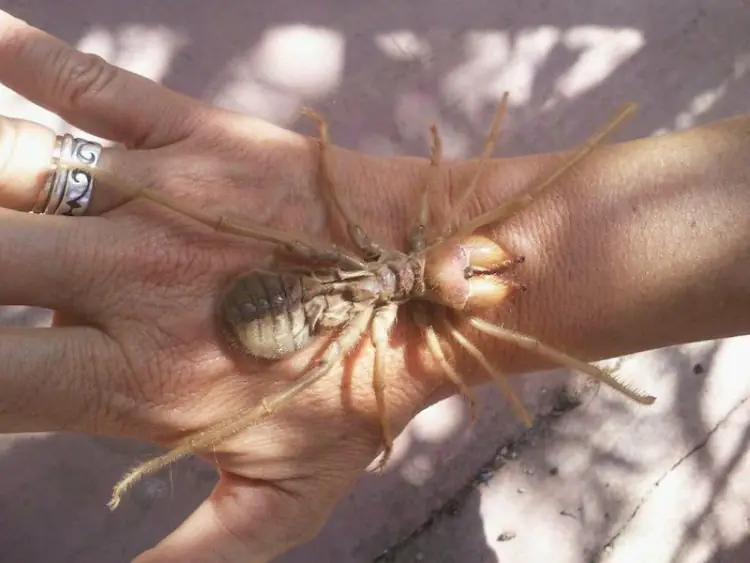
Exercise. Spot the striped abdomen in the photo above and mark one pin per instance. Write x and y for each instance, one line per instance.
(272, 314)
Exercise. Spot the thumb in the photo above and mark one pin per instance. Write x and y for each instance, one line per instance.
(243, 520)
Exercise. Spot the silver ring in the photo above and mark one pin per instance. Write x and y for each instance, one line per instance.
(68, 188)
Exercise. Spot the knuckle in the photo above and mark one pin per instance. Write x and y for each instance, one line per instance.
(94, 404)
(88, 404)
(12, 42)
(79, 77)
(90, 265)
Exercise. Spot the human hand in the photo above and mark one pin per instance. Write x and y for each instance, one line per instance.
(135, 350)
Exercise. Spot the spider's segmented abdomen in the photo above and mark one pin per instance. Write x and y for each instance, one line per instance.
(266, 313)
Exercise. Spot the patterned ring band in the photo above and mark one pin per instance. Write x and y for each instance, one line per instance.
(68, 188)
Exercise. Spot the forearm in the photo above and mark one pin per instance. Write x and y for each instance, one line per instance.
(646, 244)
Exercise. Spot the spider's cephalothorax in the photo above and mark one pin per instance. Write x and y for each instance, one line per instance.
(467, 273)
(272, 314)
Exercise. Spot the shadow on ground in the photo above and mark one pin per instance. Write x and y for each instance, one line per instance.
(568, 65)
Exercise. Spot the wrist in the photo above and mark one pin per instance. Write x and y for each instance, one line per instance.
(644, 245)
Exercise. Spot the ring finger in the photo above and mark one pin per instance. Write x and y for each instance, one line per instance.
(27, 180)
(51, 262)
(51, 259)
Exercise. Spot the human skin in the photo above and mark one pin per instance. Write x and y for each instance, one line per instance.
(645, 244)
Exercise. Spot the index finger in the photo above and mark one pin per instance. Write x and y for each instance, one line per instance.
(88, 92)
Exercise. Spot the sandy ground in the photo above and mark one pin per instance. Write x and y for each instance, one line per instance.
(603, 481)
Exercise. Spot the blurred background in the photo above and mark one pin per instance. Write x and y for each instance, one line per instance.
(605, 481)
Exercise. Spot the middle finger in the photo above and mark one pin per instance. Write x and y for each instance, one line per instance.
(52, 262)
(90, 93)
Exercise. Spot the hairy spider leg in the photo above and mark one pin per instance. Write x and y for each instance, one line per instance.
(338, 348)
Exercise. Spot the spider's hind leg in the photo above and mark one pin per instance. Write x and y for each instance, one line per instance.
(497, 375)
(295, 244)
(337, 349)
(425, 320)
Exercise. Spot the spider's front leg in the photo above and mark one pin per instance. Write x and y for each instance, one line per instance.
(509, 209)
(536, 189)
(421, 315)
(418, 231)
(489, 146)
(364, 243)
